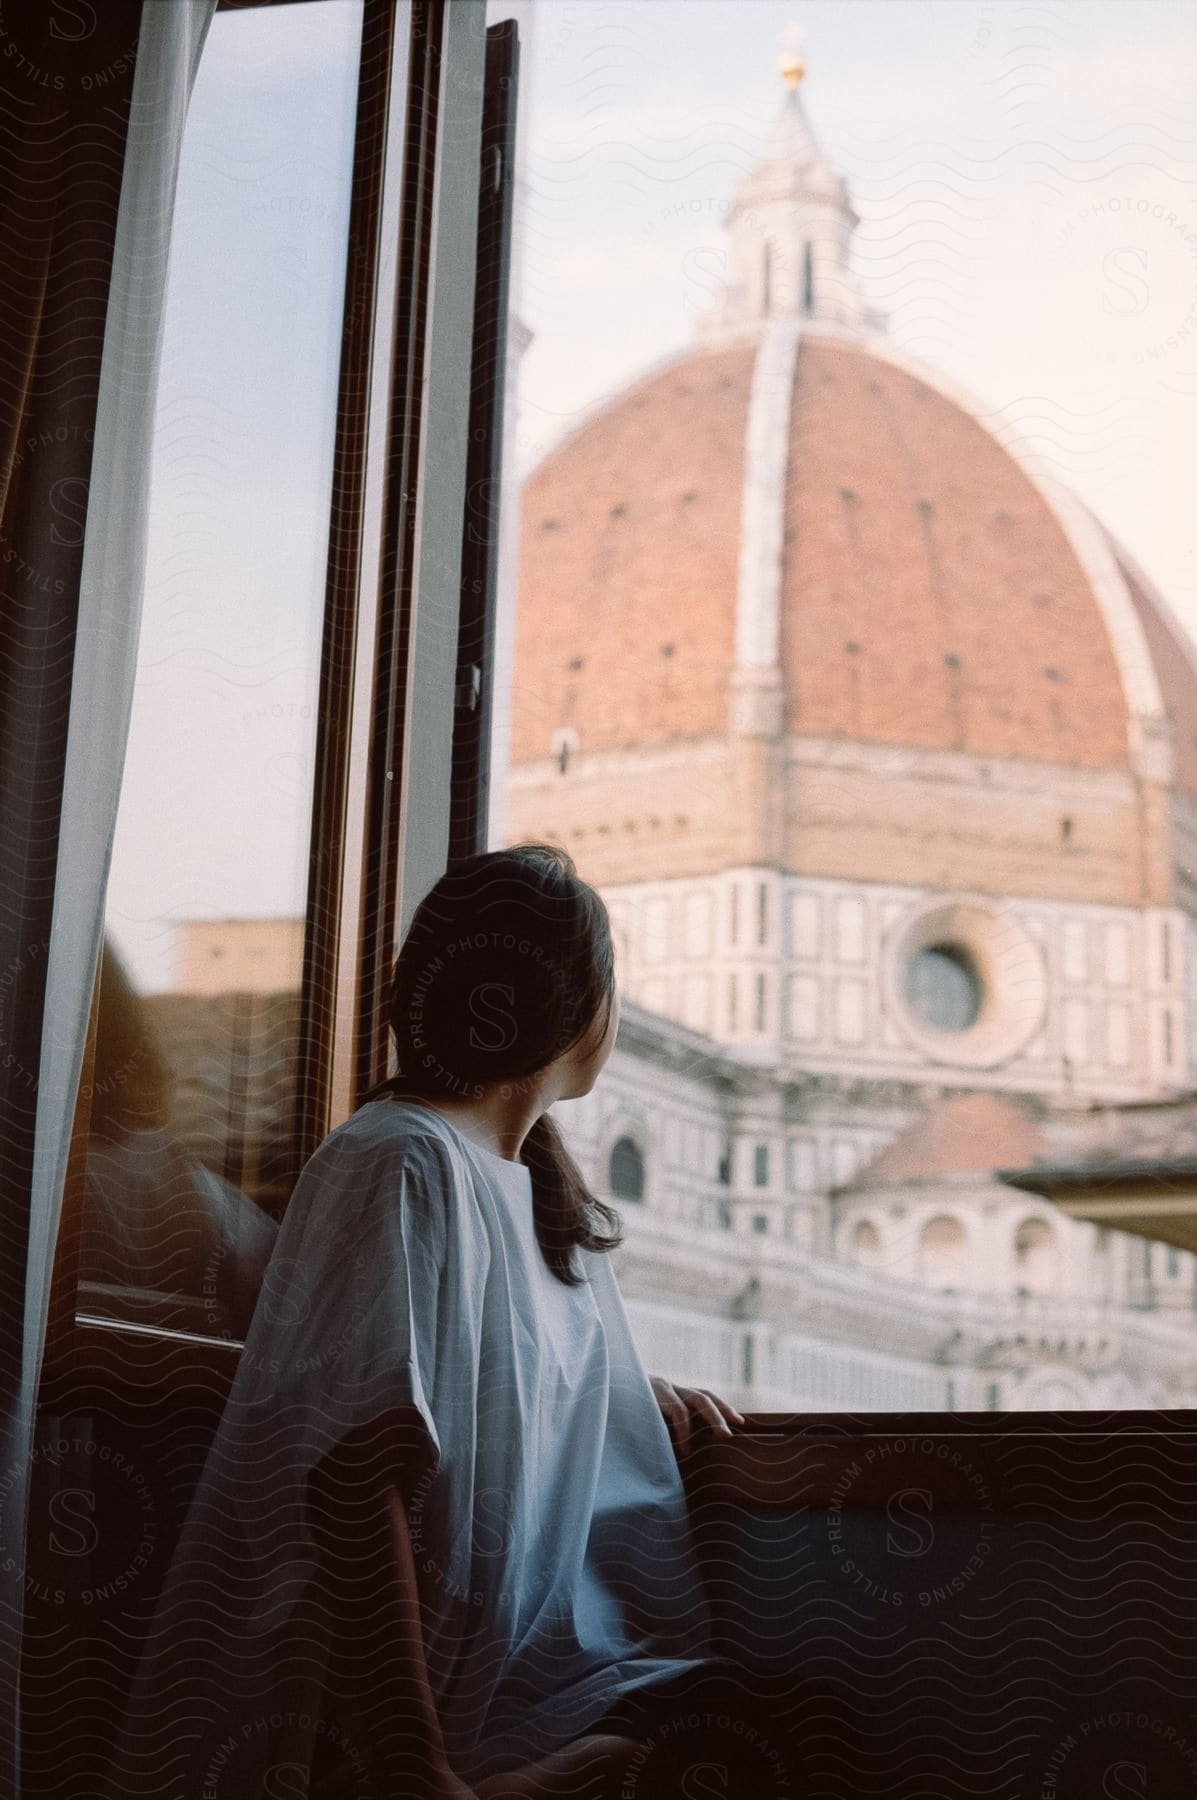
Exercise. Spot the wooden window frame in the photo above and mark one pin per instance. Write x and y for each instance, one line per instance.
(388, 660)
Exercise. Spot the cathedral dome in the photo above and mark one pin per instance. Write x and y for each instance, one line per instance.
(796, 531)
(929, 591)
(793, 600)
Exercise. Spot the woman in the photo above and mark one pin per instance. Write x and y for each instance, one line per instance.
(441, 1543)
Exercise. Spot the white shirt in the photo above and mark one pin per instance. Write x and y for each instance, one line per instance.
(550, 1538)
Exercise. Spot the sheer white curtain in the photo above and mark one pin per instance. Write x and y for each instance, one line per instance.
(169, 45)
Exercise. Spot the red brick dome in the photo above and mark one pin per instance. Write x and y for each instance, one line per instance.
(931, 595)
(630, 541)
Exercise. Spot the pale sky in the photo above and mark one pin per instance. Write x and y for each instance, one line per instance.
(1026, 176)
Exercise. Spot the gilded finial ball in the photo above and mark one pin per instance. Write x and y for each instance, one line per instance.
(792, 67)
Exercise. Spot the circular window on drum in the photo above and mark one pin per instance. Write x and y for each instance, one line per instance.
(943, 987)
(966, 982)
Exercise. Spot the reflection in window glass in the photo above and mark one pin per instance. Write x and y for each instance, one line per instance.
(190, 1159)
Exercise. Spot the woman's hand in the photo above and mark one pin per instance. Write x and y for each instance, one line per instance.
(679, 1403)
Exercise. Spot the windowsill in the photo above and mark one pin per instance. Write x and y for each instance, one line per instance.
(851, 1461)
(774, 1460)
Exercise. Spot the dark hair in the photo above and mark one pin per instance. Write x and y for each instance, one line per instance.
(509, 963)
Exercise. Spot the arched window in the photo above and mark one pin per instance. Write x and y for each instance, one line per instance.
(1035, 1255)
(625, 1173)
(808, 279)
(866, 1243)
(941, 1250)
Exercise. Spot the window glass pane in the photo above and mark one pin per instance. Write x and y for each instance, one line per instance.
(190, 1157)
(875, 666)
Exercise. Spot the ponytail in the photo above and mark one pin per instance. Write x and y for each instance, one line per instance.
(564, 1211)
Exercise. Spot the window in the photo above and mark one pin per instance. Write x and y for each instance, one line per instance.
(1035, 1255)
(944, 988)
(845, 1158)
(808, 279)
(866, 1243)
(192, 1144)
(850, 929)
(760, 1165)
(656, 921)
(804, 998)
(803, 1164)
(1076, 950)
(563, 745)
(1117, 954)
(698, 924)
(762, 912)
(941, 1251)
(760, 1223)
(759, 1016)
(257, 878)
(625, 1170)
(805, 920)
